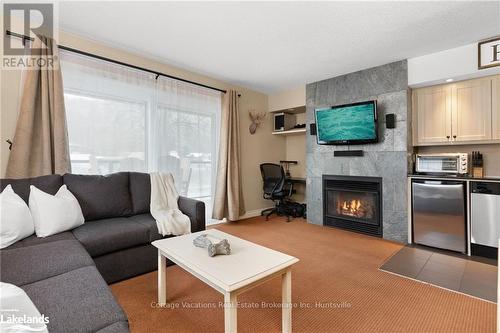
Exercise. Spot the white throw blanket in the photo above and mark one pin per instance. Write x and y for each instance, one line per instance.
(169, 219)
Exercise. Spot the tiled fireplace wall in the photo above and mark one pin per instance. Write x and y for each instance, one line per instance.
(387, 159)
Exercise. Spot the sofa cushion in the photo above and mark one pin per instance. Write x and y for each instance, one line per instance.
(34, 240)
(140, 191)
(124, 264)
(149, 222)
(29, 264)
(101, 196)
(108, 235)
(49, 184)
(76, 301)
(117, 327)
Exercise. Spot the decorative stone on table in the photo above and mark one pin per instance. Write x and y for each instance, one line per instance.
(221, 247)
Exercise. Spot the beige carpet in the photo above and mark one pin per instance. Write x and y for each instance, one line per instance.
(336, 286)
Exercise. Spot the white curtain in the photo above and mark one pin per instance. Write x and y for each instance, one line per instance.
(107, 112)
(121, 119)
(186, 124)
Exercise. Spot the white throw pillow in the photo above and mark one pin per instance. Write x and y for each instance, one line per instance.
(19, 314)
(53, 214)
(16, 222)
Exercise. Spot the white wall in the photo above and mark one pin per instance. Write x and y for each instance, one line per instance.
(459, 63)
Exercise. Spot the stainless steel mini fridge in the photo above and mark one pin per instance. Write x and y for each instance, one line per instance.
(438, 212)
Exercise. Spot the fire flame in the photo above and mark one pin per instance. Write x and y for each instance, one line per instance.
(351, 207)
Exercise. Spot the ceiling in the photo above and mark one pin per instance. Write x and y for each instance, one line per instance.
(274, 46)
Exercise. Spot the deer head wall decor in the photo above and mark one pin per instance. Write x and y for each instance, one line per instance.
(256, 117)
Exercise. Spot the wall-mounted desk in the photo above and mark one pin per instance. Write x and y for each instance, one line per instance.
(296, 180)
(298, 195)
(295, 138)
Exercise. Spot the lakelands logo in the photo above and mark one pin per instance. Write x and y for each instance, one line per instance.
(23, 23)
(14, 322)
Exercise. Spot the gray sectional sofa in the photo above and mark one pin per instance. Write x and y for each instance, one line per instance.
(66, 275)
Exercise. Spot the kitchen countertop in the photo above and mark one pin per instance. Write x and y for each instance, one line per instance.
(446, 177)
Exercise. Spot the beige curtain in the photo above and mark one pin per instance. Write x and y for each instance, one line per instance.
(228, 201)
(40, 144)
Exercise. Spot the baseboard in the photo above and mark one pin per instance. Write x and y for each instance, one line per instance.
(252, 213)
(248, 214)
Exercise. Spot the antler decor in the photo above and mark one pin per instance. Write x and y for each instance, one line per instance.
(256, 118)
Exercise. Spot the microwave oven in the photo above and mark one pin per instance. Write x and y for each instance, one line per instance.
(283, 121)
(453, 163)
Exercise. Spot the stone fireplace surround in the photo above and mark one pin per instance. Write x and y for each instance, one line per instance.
(388, 159)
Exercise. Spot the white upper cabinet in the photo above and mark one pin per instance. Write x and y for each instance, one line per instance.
(471, 110)
(495, 103)
(462, 112)
(433, 116)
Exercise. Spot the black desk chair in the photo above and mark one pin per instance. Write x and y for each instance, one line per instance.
(276, 187)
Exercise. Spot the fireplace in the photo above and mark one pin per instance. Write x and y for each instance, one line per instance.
(353, 203)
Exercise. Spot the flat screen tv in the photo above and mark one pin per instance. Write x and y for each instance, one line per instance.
(348, 124)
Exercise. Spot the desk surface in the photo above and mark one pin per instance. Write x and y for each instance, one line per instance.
(296, 180)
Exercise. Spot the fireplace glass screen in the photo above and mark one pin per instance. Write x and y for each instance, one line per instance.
(356, 206)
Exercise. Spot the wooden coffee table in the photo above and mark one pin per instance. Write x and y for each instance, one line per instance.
(247, 266)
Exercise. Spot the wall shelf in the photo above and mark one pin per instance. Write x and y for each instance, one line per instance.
(295, 110)
(291, 131)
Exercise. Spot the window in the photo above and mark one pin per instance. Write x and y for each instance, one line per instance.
(188, 150)
(106, 135)
(121, 119)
